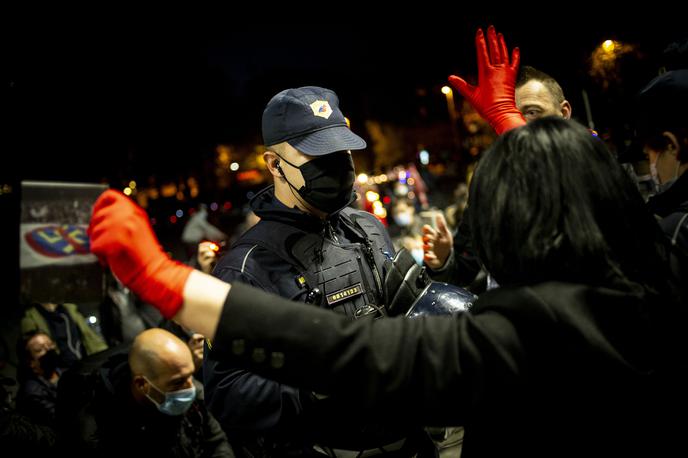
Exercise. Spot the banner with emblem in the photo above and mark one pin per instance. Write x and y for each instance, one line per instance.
(54, 257)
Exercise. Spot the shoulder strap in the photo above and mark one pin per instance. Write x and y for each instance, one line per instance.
(263, 235)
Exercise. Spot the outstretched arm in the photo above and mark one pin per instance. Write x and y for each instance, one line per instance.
(493, 97)
(122, 237)
(419, 370)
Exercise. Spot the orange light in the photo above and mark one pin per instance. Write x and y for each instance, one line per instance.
(609, 45)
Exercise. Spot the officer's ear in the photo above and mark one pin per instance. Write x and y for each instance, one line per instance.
(673, 144)
(272, 161)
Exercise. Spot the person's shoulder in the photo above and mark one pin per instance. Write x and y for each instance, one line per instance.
(248, 262)
(539, 295)
(358, 215)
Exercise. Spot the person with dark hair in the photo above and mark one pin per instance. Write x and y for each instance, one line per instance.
(580, 352)
(38, 371)
(663, 130)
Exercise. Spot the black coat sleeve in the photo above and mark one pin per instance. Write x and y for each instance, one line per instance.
(240, 399)
(432, 370)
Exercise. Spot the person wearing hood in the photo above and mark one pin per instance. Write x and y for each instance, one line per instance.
(309, 246)
(662, 128)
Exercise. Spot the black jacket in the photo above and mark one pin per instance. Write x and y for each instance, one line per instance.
(37, 398)
(671, 207)
(552, 369)
(265, 416)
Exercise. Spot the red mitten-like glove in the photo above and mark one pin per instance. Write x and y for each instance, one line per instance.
(121, 236)
(493, 97)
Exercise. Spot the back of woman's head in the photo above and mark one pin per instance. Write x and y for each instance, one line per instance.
(549, 202)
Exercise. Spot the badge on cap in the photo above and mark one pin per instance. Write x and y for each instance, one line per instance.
(321, 108)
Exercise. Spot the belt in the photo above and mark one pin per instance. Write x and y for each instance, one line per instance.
(342, 453)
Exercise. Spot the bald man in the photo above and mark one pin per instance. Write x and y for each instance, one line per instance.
(148, 404)
(162, 372)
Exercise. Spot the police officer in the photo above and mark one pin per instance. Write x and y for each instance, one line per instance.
(308, 246)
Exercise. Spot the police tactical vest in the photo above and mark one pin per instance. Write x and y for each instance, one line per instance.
(345, 276)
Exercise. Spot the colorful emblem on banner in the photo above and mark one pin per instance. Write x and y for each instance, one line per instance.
(59, 241)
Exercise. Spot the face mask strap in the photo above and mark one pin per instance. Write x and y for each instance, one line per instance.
(157, 404)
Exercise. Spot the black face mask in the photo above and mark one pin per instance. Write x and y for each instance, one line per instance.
(49, 362)
(328, 181)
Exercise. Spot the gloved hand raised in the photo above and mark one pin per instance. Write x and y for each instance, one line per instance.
(122, 237)
(493, 97)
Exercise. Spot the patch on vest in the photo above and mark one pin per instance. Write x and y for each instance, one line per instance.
(344, 294)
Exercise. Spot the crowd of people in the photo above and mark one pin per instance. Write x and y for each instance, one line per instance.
(296, 340)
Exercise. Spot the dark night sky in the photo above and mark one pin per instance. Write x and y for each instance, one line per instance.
(91, 101)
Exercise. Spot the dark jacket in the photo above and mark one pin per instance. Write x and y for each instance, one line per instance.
(113, 424)
(553, 369)
(263, 415)
(67, 327)
(671, 207)
(37, 399)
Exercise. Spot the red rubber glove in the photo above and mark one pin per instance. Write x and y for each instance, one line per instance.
(493, 97)
(121, 236)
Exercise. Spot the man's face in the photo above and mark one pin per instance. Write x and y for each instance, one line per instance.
(291, 179)
(535, 101)
(297, 158)
(173, 372)
(665, 162)
(39, 346)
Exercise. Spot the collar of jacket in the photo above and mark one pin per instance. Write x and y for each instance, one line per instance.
(674, 198)
(266, 206)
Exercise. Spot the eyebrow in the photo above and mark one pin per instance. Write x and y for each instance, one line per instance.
(532, 105)
(179, 378)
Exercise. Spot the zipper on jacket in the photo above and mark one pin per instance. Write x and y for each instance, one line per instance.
(373, 266)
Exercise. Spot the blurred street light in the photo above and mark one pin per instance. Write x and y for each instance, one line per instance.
(451, 108)
(605, 61)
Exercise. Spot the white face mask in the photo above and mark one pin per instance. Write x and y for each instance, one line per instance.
(662, 185)
(176, 402)
(654, 174)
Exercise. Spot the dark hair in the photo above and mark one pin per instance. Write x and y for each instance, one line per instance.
(527, 73)
(550, 202)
